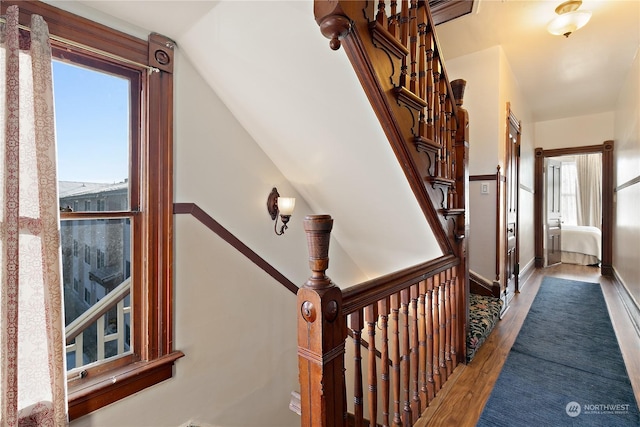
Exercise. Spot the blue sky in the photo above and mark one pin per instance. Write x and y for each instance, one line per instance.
(92, 124)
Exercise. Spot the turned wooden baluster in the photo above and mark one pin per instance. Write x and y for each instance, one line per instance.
(404, 39)
(453, 198)
(437, 380)
(436, 115)
(452, 140)
(430, 84)
(447, 133)
(415, 404)
(381, 15)
(395, 358)
(393, 19)
(422, 343)
(431, 386)
(454, 321)
(321, 335)
(443, 328)
(356, 325)
(442, 92)
(413, 46)
(383, 309)
(448, 304)
(370, 317)
(422, 70)
(404, 359)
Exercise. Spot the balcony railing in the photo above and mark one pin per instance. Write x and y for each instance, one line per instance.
(108, 328)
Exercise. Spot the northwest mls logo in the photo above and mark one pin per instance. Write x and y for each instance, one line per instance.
(573, 409)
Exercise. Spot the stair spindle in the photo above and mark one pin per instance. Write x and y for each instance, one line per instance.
(356, 325)
(395, 358)
(443, 328)
(415, 403)
(431, 387)
(413, 46)
(405, 359)
(370, 317)
(422, 343)
(447, 304)
(383, 308)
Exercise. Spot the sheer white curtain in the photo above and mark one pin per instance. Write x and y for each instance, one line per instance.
(569, 193)
(589, 169)
(32, 364)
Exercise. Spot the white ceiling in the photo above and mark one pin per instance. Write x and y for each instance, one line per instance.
(303, 105)
(559, 77)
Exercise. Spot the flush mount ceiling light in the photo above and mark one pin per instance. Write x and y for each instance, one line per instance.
(569, 18)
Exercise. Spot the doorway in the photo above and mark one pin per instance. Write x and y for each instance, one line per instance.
(510, 226)
(540, 214)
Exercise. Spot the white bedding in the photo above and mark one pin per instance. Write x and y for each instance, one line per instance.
(581, 239)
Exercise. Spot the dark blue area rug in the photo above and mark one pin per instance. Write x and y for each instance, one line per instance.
(565, 367)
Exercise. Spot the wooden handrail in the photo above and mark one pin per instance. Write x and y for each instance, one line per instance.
(227, 236)
(359, 296)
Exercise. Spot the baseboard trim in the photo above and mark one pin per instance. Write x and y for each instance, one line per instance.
(628, 301)
(525, 274)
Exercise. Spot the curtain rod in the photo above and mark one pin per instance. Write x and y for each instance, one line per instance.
(90, 49)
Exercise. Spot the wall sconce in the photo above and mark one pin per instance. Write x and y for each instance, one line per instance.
(280, 206)
(569, 18)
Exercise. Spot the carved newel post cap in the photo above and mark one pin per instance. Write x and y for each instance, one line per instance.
(457, 86)
(318, 229)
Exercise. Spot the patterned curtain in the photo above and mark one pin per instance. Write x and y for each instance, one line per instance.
(32, 363)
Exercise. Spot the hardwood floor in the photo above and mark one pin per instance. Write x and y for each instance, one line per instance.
(463, 397)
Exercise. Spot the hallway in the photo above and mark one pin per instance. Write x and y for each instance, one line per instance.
(461, 401)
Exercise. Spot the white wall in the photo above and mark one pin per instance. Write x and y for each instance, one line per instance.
(626, 238)
(235, 324)
(490, 85)
(578, 131)
(481, 71)
(510, 93)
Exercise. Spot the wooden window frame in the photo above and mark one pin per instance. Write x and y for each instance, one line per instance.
(154, 357)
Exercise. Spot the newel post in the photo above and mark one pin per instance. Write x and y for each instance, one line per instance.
(321, 335)
(462, 233)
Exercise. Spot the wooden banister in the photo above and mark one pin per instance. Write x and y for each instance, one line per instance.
(412, 314)
(415, 319)
(394, 50)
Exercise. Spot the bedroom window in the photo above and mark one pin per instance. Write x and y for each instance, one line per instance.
(141, 226)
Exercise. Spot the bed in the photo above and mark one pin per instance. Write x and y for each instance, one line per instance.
(581, 245)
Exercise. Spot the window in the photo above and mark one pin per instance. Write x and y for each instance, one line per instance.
(75, 248)
(100, 259)
(87, 251)
(141, 226)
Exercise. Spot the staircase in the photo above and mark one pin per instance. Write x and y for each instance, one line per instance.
(379, 352)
